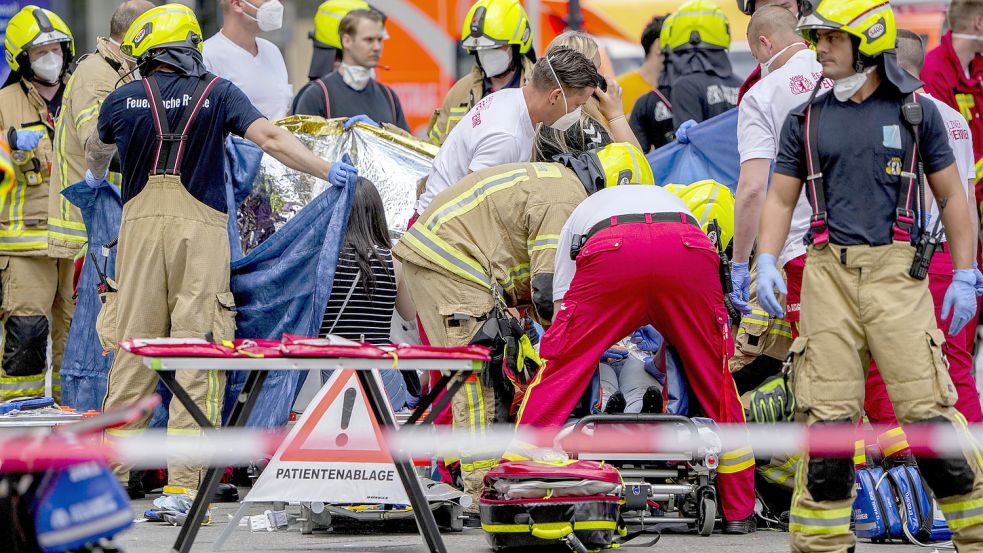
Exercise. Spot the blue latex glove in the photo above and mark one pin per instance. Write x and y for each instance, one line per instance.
(682, 132)
(92, 180)
(360, 119)
(342, 173)
(647, 339)
(979, 279)
(614, 354)
(28, 140)
(960, 300)
(768, 280)
(740, 275)
(653, 370)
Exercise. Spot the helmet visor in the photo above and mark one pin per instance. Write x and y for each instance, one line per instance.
(473, 43)
(48, 38)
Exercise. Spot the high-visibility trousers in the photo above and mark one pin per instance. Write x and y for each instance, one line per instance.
(37, 301)
(437, 297)
(858, 302)
(630, 275)
(172, 270)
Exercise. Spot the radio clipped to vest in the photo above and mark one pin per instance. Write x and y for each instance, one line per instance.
(928, 244)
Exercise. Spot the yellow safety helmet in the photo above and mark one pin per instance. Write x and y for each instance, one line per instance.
(709, 200)
(495, 23)
(33, 26)
(170, 25)
(698, 22)
(664, 35)
(869, 21)
(623, 163)
(328, 19)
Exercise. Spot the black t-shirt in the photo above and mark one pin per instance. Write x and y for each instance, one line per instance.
(861, 152)
(376, 100)
(700, 96)
(651, 120)
(126, 120)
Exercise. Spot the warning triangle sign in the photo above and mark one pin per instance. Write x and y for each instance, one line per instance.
(335, 453)
(340, 428)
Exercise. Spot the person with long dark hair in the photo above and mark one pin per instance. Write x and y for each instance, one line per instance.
(365, 290)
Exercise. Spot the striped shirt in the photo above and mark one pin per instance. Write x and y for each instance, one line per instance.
(366, 317)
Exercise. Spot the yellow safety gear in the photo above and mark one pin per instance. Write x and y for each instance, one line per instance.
(623, 163)
(870, 21)
(33, 26)
(664, 35)
(695, 23)
(328, 19)
(170, 25)
(495, 23)
(709, 200)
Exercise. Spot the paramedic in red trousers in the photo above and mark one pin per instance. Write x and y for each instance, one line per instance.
(667, 276)
(953, 72)
(856, 149)
(797, 7)
(959, 348)
(790, 73)
(353, 91)
(172, 267)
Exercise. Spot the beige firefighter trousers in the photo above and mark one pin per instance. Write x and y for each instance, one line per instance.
(38, 286)
(858, 302)
(438, 296)
(172, 268)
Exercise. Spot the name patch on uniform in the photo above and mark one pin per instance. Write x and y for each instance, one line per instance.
(892, 136)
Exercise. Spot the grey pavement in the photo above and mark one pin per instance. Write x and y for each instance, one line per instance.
(152, 537)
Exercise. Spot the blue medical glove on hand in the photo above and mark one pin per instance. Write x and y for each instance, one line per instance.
(682, 135)
(960, 300)
(740, 275)
(979, 279)
(769, 279)
(92, 180)
(28, 140)
(360, 119)
(614, 354)
(342, 173)
(647, 339)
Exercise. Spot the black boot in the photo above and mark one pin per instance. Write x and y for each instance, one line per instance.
(745, 526)
(226, 493)
(616, 404)
(134, 486)
(652, 400)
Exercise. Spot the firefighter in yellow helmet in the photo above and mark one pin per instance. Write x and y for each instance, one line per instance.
(466, 268)
(703, 82)
(864, 294)
(172, 264)
(326, 38)
(37, 289)
(667, 276)
(497, 34)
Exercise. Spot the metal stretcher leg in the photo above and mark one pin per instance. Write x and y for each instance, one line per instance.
(404, 467)
(240, 414)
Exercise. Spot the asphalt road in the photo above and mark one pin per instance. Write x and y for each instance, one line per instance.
(152, 537)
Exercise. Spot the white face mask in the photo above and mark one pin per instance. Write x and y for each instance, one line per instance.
(845, 88)
(569, 119)
(356, 76)
(48, 67)
(766, 65)
(269, 16)
(495, 61)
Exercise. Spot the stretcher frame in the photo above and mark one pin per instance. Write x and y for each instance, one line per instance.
(454, 374)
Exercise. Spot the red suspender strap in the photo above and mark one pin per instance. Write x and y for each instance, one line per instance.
(166, 140)
(327, 98)
(814, 181)
(904, 215)
(392, 102)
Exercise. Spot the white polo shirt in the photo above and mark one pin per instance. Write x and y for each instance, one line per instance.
(263, 77)
(604, 204)
(760, 119)
(496, 131)
(961, 141)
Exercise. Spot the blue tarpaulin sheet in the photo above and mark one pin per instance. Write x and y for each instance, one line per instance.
(85, 369)
(710, 154)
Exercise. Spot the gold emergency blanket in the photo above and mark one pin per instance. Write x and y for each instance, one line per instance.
(393, 162)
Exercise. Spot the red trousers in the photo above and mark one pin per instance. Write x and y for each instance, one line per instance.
(630, 275)
(958, 349)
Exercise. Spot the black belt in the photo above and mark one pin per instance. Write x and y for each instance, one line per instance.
(669, 217)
